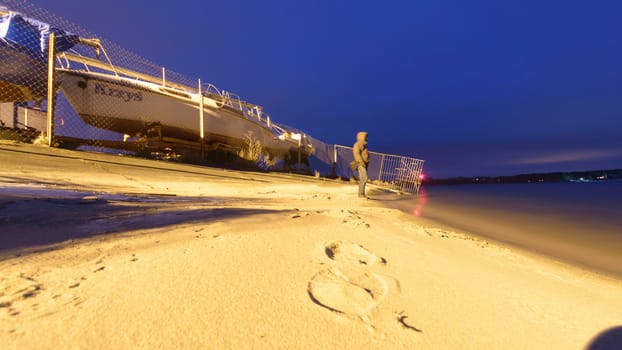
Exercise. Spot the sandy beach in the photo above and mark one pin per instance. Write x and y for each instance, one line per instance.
(110, 252)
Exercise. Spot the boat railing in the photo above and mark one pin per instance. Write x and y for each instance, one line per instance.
(90, 64)
(212, 92)
(250, 111)
(233, 100)
(65, 58)
(209, 90)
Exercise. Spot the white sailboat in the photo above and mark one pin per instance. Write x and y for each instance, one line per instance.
(130, 102)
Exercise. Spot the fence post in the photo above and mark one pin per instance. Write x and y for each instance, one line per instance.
(15, 115)
(299, 146)
(381, 165)
(201, 123)
(335, 160)
(51, 92)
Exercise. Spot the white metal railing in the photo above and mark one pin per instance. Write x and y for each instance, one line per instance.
(399, 173)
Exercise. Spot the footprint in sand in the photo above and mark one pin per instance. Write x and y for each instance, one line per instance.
(350, 252)
(352, 289)
(348, 292)
(20, 287)
(17, 290)
(353, 219)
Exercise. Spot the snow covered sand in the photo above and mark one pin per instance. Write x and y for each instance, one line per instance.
(102, 251)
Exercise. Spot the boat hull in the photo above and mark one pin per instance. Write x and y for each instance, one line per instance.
(132, 107)
(22, 78)
(24, 56)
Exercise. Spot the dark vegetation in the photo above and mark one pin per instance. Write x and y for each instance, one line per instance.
(574, 176)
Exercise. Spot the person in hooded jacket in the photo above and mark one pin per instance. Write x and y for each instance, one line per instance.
(361, 157)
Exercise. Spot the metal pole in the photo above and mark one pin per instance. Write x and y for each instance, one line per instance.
(163, 76)
(335, 160)
(51, 95)
(15, 114)
(381, 165)
(201, 122)
(299, 144)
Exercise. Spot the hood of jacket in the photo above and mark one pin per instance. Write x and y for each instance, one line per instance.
(361, 136)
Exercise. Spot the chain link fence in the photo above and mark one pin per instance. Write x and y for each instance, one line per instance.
(66, 87)
(104, 97)
(26, 78)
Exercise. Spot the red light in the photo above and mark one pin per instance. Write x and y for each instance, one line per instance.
(421, 176)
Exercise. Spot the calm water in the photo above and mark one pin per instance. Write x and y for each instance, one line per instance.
(579, 223)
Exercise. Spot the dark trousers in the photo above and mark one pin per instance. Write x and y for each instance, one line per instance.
(362, 180)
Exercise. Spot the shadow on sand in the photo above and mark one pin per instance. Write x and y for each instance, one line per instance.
(132, 162)
(609, 339)
(32, 225)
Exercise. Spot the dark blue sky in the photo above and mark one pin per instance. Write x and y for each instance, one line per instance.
(474, 87)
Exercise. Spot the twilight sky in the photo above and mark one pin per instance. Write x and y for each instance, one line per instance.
(480, 87)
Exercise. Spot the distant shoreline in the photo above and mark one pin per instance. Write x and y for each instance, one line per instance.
(574, 176)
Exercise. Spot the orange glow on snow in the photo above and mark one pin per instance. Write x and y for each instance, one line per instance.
(421, 200)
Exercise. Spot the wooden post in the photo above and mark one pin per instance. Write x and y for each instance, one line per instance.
(201, 122)
(51, 92)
